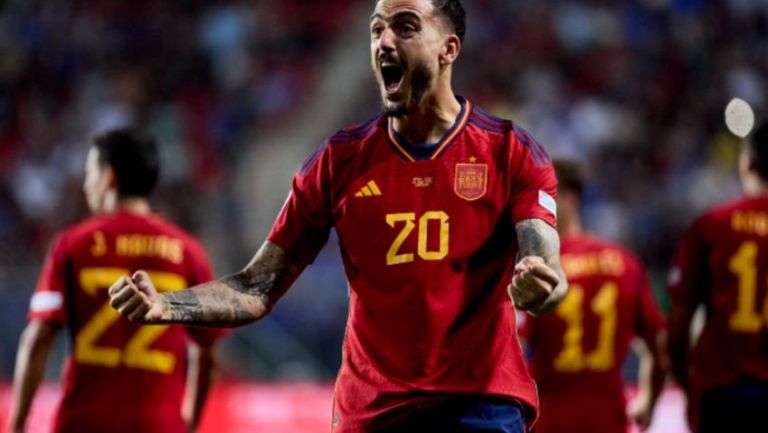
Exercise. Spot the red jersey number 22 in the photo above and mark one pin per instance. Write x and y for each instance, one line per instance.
(136, 353)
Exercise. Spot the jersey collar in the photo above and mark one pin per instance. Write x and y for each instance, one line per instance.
(405, 150)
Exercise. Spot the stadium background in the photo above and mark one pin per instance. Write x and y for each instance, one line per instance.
(239, 91)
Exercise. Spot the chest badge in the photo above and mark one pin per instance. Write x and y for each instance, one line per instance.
(471, 180)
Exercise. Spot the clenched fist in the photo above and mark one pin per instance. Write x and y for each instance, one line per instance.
(532, 283)
(137, 299)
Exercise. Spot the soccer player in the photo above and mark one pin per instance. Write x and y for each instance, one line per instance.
(433, 200)
(119, 377)
(578, 351)
(722, 266)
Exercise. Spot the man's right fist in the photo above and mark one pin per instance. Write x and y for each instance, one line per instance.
(137, 299)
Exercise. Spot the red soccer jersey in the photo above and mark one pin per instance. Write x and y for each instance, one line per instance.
(428, 243)
(119, 377)
(578, 350)
(722, 263)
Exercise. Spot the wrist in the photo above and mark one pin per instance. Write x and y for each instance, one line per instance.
(165, 313)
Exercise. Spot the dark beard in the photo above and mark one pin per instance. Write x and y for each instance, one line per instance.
(421, 78)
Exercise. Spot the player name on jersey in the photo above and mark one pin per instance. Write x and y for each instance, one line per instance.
(607, 262)
(750, 222)
(140, 245)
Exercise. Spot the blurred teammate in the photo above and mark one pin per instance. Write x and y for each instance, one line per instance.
(432, 200)
(578, 351)
(722, 265)
(119, 377)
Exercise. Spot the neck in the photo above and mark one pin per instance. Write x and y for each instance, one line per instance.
(434, 116)
(133, 205)
(569, 225)
(757, 188)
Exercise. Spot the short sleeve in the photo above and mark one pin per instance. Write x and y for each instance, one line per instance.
(305, 221)
(534, 185)
(687, 278)
(48, 301)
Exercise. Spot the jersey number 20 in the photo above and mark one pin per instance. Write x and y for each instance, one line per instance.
(407, 221)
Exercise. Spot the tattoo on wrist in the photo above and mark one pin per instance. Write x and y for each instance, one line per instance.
(184, 306)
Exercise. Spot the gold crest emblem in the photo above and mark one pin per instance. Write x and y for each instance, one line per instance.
(471, 181)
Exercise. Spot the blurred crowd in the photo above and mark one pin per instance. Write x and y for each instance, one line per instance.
(199, 74)
(635, 89)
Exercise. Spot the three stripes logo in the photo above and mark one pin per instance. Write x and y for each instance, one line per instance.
(369, 190)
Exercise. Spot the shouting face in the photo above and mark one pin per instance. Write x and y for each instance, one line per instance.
(410, 45)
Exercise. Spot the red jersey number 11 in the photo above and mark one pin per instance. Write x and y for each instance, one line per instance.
(572, 358)
(744, 264)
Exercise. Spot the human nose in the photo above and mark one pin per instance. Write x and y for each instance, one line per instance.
(387, 41)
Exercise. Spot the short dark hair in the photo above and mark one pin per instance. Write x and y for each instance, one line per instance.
(571, 175)
(133, 155)
(758, 148)
(454, 12)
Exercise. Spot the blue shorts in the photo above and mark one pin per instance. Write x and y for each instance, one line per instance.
(740, 407)
(466, 415)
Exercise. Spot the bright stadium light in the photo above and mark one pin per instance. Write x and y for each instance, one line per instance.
(739, 117)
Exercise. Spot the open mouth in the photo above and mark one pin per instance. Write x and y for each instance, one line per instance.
(392, 75)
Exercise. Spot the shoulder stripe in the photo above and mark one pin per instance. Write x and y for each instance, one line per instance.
(493, 120)
(310, 160)
(486, 127)
(489, 122)
(540, 155)
(483, 123)
(355, 132)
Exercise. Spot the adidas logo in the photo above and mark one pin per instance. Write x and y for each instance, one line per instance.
(370, 189)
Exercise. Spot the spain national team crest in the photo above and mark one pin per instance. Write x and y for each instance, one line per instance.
(471, 180)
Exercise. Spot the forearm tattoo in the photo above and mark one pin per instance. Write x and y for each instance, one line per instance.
(184, 306)
(238, 298)
(537, 238)
(254, 283)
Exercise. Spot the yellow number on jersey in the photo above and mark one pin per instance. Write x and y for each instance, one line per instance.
(137, 353)
(744, 265)
(572, 357)
(99, 246)
(395, 257)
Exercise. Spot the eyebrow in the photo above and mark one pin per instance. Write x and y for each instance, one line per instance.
(399, 15)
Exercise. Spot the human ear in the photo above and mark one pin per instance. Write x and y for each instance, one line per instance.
(451, 48)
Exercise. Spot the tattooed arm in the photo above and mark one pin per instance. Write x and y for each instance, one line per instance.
(539, 283)
(235, 300)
